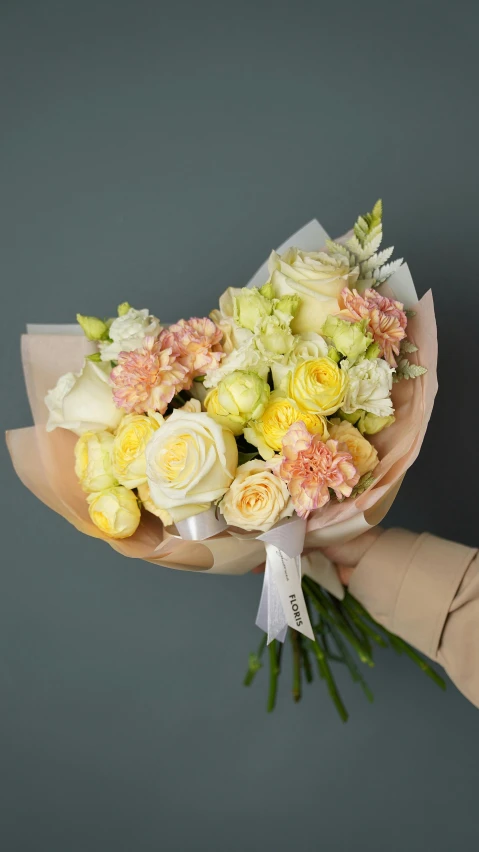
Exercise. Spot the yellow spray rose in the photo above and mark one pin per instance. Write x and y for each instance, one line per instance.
(268, 432)
(318, 386)
(129, 445)
(114, 511)
(93, 467)
(239, 397)
(365, 457)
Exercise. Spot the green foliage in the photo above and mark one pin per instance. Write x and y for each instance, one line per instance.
(405, 370)
(362, 250)
(364, 483)
(407, 346)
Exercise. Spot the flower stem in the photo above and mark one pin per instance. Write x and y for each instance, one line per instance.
(255, 663)
(326, 674)
(296, 643)
(273, 675)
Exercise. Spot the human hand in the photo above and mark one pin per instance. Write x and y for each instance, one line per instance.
(346, 556)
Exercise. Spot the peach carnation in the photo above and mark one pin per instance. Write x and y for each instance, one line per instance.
(147, 378)
(195, 344)
(310, 467)
(386, 318)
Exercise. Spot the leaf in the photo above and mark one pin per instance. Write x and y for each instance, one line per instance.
(407, 346)
(246, 457)
(405, 370)
(364, 483)
(95, 356)
(387, 270)
(410, 314)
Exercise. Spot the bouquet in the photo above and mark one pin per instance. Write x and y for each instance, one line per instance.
(282, 422)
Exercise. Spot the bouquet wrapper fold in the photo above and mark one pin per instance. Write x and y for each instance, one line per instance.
(44, 462)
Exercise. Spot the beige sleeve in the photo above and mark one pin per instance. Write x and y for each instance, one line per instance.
(426, 590)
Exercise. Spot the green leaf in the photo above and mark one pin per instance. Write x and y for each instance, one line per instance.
(364, 483)
(95, 356)
(407, 346)
(405, 370)
(246, 457)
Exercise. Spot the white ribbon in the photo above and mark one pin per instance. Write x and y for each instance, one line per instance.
(282, 601)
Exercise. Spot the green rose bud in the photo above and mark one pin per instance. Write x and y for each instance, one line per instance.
(123, 308)
(371, 424)
(373, 351)
(274, 337)
(334, 354)
(93, 328)
(349, 338)
(267, 290)
(287, 307)
(250, 307)
(351, 418)
(239, 397)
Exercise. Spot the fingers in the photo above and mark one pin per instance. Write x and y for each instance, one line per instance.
(350, 553)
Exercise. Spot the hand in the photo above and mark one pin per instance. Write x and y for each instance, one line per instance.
(346, 556)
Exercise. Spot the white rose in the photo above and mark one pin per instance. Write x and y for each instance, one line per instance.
(127, 332)
(369, 387)
(83, 402)
(314, 276)
(234, 334)
(308, 347)
(257, 499)
(190, 462)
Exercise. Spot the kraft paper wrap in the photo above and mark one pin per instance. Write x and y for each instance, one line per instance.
(45, 463)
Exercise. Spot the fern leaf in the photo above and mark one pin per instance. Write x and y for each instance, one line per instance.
(387, 270)
(364, 483)
(407, 346)
(405, 370)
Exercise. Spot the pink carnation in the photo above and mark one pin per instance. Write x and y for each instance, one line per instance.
(310, 467)
(195, 344)
(147, 378)
(386, 318)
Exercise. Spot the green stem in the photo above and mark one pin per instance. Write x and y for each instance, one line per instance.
(322, 604)
(273, 675)
(255, 663)
(296, 643)
(326, 674)
(350, 663)
(308, 671)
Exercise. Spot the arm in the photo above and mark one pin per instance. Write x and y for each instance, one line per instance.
(423, 588)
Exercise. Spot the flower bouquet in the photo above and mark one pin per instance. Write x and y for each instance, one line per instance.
(282, 423)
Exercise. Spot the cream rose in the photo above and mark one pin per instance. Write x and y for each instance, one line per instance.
(364, 455)
(190, 462)
(129, 447)
(257, 499)
(93, 461)
(114, 511)
(83, 402)
(314, 276)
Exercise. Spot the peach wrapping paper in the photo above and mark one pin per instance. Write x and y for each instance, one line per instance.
(45, 464)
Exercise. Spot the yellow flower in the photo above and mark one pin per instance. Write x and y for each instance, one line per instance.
(268, 431)
(239, 397)
(257, 498)
(129, 445)
(93, 461)
(114, 511)
(365, 457)
(318, 386)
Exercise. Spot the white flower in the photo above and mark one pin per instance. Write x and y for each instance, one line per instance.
(190, 462)
(273, 338)
(369, 387)
(245, 358)
(307, 347)
(83, 402)
(128, 332)
(234, 335)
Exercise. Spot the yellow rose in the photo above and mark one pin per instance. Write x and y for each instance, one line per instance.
(268, 431)
(147, 503)
(129, 446)
(93, 461)
(190, 462)
(221, 414)
(318, 386)
(365, 457)
(256, 499)
(316, 278)
(115, 511)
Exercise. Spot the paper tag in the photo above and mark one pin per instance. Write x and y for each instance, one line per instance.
(286, 577)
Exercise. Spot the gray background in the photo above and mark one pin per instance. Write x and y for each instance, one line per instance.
(155, 152)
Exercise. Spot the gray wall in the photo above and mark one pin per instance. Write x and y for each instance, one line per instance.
(155, 152)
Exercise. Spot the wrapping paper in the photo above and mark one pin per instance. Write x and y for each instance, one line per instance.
(45, 462)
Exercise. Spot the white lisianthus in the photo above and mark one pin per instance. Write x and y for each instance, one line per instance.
(369, 387)
(83, 402)
(307, 347)
(317, 278)
(127, 332)
(234, 336)
(247, 358)
(273, 338)
(190, 462)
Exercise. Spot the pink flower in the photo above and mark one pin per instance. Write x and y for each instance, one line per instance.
(386, 318)
(195, 344)
(147, 378)
(310, 467)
